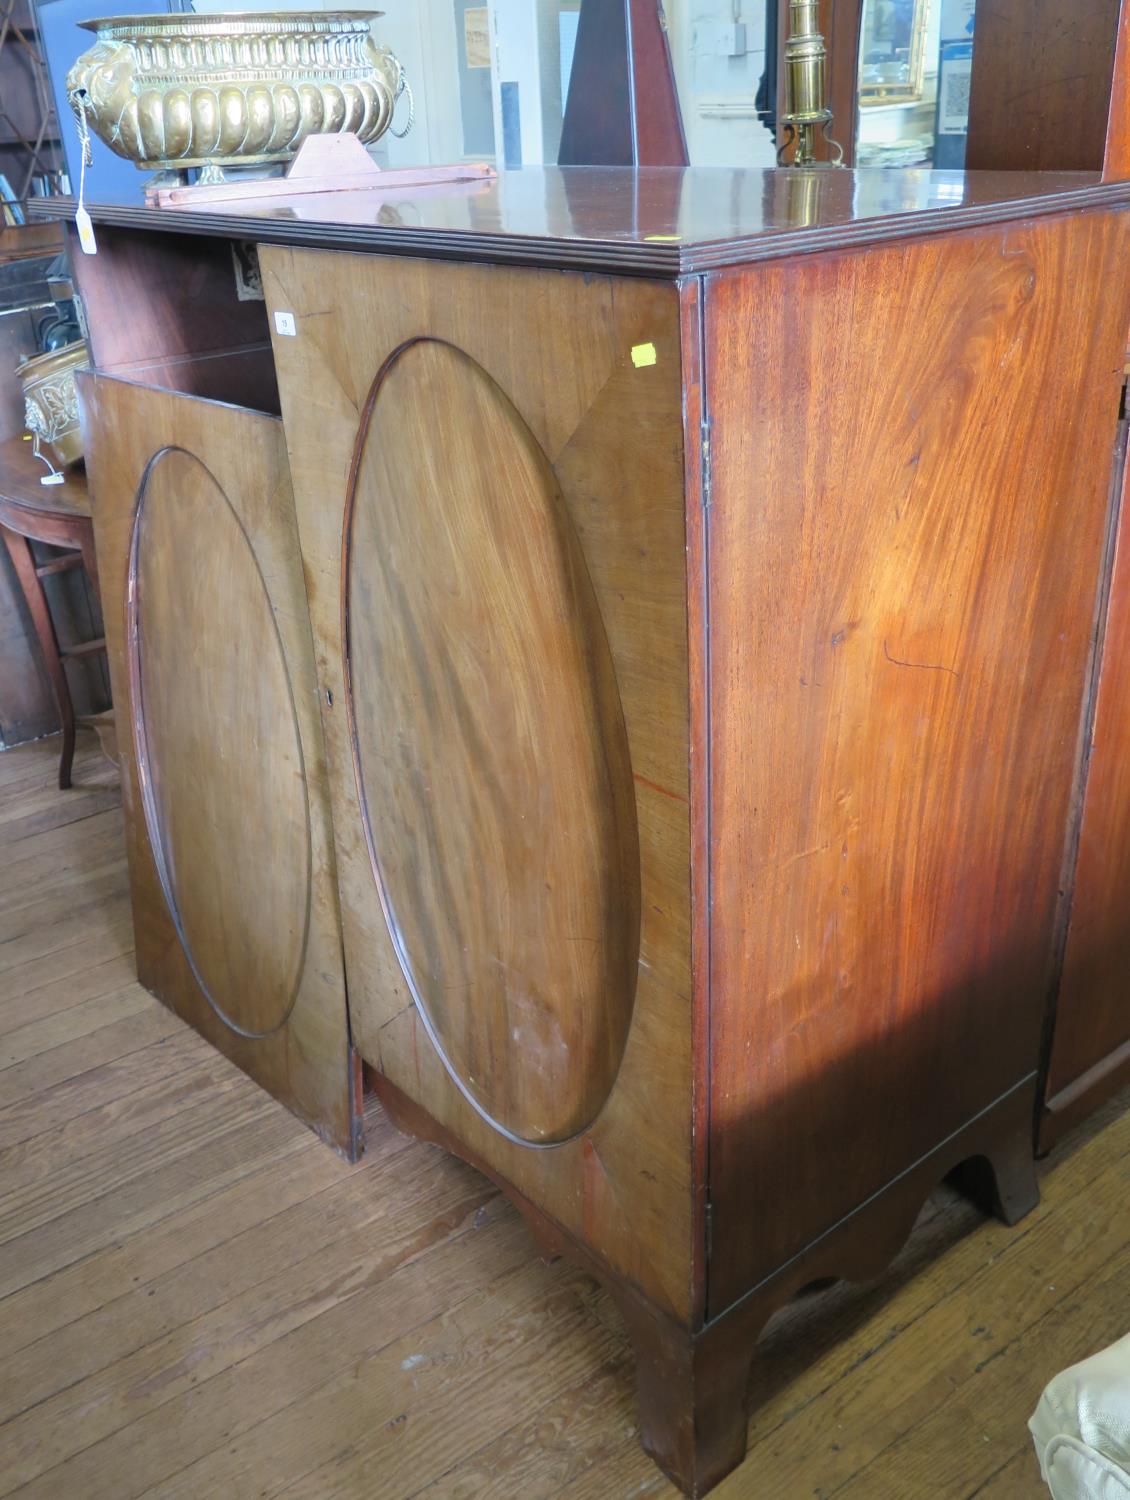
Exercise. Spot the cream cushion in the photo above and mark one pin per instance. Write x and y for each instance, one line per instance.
(1081, 1428)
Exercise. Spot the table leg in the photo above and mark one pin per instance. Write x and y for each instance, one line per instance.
(19, 549)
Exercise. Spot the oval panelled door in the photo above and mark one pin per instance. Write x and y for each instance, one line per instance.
(492, 759)
(207, 700)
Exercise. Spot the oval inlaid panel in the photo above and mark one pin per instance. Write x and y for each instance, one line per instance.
(492, 758)
(218, 746)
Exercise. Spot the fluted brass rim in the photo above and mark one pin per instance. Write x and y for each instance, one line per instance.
(53, 362)
(123, 28)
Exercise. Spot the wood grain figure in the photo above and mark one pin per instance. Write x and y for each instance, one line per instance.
(902, 609)
(488, 735)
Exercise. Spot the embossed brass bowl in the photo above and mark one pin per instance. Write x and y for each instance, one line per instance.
(50, 401)
(232, 89)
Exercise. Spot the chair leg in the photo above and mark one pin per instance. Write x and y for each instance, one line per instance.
(19, 549)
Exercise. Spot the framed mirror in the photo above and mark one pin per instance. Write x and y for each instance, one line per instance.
(892, 51)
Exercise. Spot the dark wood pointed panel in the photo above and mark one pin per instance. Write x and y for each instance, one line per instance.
(491, 757)
(197, 759)
(622, 107)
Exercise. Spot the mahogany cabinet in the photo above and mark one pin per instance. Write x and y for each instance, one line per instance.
(702, 575)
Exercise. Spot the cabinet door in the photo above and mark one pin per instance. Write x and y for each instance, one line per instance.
(224, 783)
(1090, 1054)
(488, 472)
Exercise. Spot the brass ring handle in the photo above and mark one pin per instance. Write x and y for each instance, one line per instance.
(403, 87)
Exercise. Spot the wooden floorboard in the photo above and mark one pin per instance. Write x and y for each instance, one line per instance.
(197, 1298)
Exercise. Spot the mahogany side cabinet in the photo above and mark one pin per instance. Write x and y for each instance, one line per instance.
(686, 734)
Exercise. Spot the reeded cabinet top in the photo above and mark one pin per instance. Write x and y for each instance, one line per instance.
(657, 221)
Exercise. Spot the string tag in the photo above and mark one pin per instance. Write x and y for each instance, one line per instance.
(85, 232)
(82, 219)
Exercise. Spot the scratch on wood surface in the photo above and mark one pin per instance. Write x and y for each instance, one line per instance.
(923, 666)
(655, 787)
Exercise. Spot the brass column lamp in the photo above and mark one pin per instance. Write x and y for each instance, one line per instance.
(806, 112)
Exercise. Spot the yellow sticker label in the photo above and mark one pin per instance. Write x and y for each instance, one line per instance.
(643, 354)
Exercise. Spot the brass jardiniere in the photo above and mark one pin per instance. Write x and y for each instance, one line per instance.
(232, 89)
(50, 402)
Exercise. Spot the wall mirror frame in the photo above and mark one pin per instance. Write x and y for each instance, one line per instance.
(892, 51)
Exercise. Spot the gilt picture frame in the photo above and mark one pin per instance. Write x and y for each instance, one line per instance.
(892, 52)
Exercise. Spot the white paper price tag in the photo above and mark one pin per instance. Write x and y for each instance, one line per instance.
(82, 218)
(85, 232)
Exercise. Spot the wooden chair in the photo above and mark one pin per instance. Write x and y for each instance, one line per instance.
(60, 516)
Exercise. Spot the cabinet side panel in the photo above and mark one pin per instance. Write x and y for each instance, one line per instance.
(231, 858)
(911, 457)
(1092, 1019)
(487, 438)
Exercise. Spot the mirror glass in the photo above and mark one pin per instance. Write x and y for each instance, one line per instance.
(490, 78)
(914, 64)
(719, 49)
